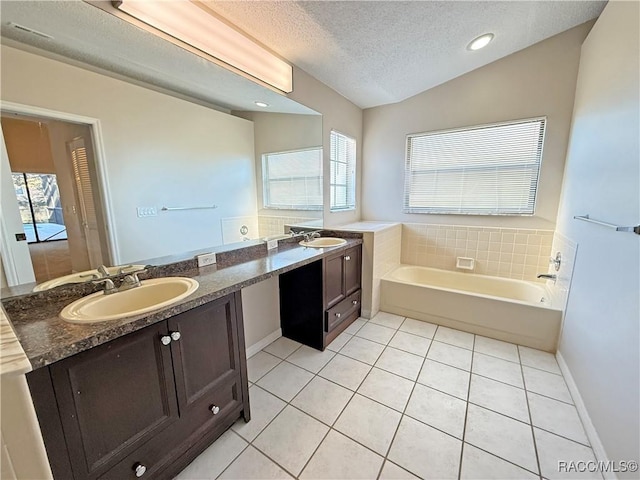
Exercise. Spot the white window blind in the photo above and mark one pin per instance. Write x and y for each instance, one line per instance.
(343, 172)
(483, 170)
(293, 180)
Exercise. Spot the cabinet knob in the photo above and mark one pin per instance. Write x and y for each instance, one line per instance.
(165, 339)
(347, 258)
(355, 302)
(338, 315)
(215, 409)
(139, 469)
(175, 336)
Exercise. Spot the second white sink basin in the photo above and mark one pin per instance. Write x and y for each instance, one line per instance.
(324, 242)
(150, 295)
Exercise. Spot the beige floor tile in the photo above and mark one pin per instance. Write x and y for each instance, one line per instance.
(282, 347)
(210, 463)
(497, 348)
(410, 343)
(253, 465)
(291, 439)
(445, 378)
(539, 359)
(546, 384)
(362, 349)
(369, 423)
(355, 326)
(499, 397)
(454, 337)
(497, 369)
(438, 410)
(425, 451)
(310, 359)
(345, 371)
(388, 320)
(502, 436)
(264, 408)
(391, 471)
(418, 327)
(557, 417)
(339, 342)
(339, 457)
(451, 355)
(322, 400)
(260, 364)
(376, 333)
(285, 381)
(401, 363)
(480, 465)
(557, 453)
(387, 388)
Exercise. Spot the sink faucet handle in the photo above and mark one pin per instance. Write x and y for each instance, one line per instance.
(102, 270)
(109, 287)
(132, 277)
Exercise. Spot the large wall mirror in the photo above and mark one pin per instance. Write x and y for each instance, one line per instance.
(102, 171)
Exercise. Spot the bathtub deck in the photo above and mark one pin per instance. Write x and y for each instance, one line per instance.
(393, 396)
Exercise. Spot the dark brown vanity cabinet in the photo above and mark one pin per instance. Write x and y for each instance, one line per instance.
(144, 405)
(320, 300)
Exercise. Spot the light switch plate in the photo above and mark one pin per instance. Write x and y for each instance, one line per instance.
(147, 212)
(206, 259)
(271, 244)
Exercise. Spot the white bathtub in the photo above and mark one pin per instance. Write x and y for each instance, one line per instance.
(512, 310)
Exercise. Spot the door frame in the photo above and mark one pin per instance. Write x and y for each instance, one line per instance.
(104, 194)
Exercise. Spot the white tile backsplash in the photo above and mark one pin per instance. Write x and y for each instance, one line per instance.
(504, 252)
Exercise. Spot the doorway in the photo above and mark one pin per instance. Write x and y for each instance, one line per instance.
(55, 182)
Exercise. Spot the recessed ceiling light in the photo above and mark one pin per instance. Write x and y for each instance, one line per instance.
(480, 42)
(261, 104)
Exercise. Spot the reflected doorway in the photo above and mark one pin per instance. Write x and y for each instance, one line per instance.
(54, 178)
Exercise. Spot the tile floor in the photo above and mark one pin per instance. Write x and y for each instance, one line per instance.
(396, 398)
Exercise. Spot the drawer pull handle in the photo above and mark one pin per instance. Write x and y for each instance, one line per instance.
(355, 302)
(165, 339)
(347, 258)
(139, 469)
(175, 336)
(215, 409)
(338, 315)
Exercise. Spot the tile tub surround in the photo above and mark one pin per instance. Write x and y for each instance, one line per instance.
(505, 413)
(45, 338)
(500, 252)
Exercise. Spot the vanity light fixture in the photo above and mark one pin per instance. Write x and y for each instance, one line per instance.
(194, 24)
(261, 104)
(480, 42)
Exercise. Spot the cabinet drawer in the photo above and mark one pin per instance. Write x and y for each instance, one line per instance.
(342, 311)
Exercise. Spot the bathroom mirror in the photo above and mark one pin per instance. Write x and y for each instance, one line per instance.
(167, 176)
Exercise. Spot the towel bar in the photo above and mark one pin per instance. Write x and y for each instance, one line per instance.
(617, 228)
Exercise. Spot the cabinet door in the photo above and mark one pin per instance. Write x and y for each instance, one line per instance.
(206, 358)
(114, 397)
(352, 270)
(333, 280)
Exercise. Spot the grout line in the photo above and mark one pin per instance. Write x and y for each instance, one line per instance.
(533, 436)
(466, 413)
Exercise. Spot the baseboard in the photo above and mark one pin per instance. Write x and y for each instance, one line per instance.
(590, 429)
(256, 347)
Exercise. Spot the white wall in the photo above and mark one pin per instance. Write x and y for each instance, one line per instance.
(339, 114)
(159, 150)
(600, 339)
(537, 81)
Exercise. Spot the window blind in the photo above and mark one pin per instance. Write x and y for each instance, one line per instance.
(343, 172)
(483, 170)
(293, 180)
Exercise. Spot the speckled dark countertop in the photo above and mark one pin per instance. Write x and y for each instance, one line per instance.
(45, 338)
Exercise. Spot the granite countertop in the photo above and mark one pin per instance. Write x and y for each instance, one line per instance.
(45, 338)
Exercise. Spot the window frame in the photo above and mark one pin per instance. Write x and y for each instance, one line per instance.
(351, 190)
(265, 181)
(407, 208)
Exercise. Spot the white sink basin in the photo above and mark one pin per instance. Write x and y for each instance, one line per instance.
(150, 295)
(81, 277)
(323, 242)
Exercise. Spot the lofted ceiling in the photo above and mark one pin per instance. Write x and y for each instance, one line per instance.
(372, 52)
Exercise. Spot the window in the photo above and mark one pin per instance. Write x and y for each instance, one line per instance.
(343, 172)
(293, 180)
(483, 170)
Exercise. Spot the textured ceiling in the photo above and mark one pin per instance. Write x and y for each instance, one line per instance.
(373, 52)
(378, 52)
(92, 36)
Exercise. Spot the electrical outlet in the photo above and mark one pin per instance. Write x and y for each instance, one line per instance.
(271, 244)
(206, 259)
(147, 212)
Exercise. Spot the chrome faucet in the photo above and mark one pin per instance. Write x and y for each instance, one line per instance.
(109, 287)
(548, 276)
(308, 236)
(102, 270)
(128, 282)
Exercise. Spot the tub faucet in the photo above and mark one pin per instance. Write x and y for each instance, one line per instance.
(548, 276)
